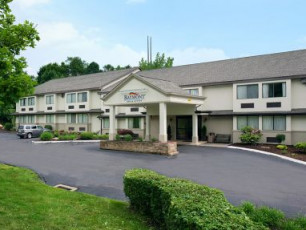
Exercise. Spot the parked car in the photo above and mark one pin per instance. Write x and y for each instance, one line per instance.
(29, 131)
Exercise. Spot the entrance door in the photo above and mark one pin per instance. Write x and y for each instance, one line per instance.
(184, 128)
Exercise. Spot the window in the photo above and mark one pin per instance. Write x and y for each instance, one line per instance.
(194, 92)
(33, 127)
(247, 91)
(82, 118)
(23, 102)
(71, 98)
(277, 123)
(49, 119)
(274, 90)
(243, 121)
(31, 119)
(134, 123)
(106, 123)
(23, 119)
(82, 97)
(31, 101)
(134, 109)
(50, 99)
(71, 118)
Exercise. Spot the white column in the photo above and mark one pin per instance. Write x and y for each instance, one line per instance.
(112, 120)
(163, 122)
(195, 138)
(148, 137)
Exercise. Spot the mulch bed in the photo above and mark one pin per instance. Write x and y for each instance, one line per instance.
(291, 152)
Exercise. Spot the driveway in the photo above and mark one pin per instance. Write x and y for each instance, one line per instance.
(242, 175)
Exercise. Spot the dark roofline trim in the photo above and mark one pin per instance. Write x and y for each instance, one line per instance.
(231, 113)
(57, 112)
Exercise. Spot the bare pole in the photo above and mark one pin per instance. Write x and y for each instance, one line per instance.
(150, 49)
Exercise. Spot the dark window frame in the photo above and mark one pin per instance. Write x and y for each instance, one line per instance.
(247, 91)
(273, 84)
(273, 122)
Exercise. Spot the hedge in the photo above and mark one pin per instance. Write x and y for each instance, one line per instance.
(46, 136)
(181, 204)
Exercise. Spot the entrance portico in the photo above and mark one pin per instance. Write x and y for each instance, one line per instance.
(163, 101)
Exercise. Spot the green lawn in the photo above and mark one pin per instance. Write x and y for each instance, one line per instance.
(27, 203)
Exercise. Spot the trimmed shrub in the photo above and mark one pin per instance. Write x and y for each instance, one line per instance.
(87, 136)
(301, 146)
(181, 204)
(282, 147)
(280, 138)
(49, 127)
(8, 126)
(67, 137)
(101, 137)
(250, 135)
(117, 137)
(46, 136)
(125, 132)
(128, 137)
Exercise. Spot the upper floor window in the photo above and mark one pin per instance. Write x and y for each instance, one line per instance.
(23, 102)
(31, 101)
(50, 99)
(274, 90)
(247, 91)
(194, 92)
(71, 98)
(82, 97)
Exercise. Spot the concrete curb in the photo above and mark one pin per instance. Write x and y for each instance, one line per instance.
(269, 154)
(74, 141)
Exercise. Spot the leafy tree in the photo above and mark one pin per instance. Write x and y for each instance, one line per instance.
(160, 62)
(108, 67)
(76, 66)
(14, 38)
(122, 67)
(93, 67)
(51, 71)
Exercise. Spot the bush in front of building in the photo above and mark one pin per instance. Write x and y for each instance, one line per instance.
(49, 127)
(87, 136)
(67, 137)
(250, 135)
(101, 137)
(8, 126)
(125, 132)
(301, 146)
(46, 136)
(181, 204)
(128, 137)
(280, 138)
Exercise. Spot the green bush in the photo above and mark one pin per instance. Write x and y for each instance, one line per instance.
(280, 138)
(282, 147)
(46, 136)
(87, 136)
(67, 137)
(128, 137)
(8, 126)
(181, 204)
(250, 135)
(140, 139)
(118, 137)
(49, 127)
(301, 146)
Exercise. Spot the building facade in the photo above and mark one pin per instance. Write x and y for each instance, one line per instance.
(267, 92)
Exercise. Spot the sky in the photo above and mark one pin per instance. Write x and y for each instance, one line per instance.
(115, 31)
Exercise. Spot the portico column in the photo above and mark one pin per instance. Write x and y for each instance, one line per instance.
(195, 138)
(163, 122)
(112, 120)
(147, 127)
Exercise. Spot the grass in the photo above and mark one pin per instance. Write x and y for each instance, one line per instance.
(27, 203)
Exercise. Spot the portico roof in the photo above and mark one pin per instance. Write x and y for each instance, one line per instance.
(167, 90)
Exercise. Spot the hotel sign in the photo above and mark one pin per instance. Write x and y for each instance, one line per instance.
(135, 95)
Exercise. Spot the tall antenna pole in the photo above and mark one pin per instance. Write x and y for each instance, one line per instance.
(150, 49)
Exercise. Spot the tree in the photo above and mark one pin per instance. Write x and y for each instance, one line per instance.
(51, 71)
(14, 38)
(93, 67)
(160, 62)
(108, 67)
(76, 66)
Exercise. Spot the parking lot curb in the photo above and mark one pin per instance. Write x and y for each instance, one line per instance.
(74, 141)
(270, 154)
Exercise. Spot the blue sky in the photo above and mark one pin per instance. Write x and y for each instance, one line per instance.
(190, 31)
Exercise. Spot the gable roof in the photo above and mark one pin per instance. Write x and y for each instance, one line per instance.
(83, 82)
(163, 86)
(269, 66)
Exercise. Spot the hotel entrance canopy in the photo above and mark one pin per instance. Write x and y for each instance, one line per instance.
(136, 90)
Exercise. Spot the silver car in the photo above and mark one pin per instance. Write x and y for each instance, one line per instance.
(29, 131)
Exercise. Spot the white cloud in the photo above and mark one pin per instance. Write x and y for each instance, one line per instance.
(135, 1)
(29, 3)
(195, 55)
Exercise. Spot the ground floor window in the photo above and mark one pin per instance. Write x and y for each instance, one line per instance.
(49, 119)
(277, 123)
(82, 118)
(134, 123)
(106, 123)
(71, 118)
(243, 121)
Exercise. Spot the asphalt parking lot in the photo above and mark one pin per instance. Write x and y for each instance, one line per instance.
(242, 175)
